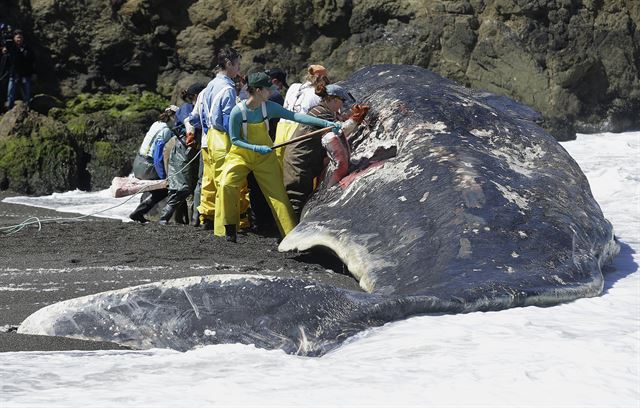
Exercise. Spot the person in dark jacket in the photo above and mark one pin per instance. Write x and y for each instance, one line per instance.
(21, 68)
(183, 166)
(304, 161)
(279, 79)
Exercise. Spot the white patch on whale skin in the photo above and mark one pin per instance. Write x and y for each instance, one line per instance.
(481, 133)
(435, 128)
(520, 159)
(422, 132)
(512, 196)
(465, 249)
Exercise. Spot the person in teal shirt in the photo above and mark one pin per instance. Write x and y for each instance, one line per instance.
(251, 151)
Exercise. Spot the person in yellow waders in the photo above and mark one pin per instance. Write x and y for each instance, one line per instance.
(251, 151)
(211, 111)
(299, 98)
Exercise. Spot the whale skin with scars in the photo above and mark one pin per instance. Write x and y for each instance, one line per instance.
(457, 201)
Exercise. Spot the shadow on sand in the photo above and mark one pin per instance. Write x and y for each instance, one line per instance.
(622, 266)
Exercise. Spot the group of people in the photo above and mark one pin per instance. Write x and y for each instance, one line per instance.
(234, 121)
(17, 64)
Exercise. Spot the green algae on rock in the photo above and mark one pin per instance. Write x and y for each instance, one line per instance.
(83, 145)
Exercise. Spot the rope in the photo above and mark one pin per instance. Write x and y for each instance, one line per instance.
(12, 229)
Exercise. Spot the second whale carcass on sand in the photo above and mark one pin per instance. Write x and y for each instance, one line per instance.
(456, 202)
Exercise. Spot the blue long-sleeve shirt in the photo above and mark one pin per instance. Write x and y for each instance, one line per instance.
(255, 116)
(183, 112)
(220, 108)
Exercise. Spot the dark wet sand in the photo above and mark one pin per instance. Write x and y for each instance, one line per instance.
(69, 259)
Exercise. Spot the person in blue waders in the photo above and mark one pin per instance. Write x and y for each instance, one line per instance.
(251, 151)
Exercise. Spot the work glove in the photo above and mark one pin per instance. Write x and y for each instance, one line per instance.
(335, 127)
(190, 139)
(262, 149)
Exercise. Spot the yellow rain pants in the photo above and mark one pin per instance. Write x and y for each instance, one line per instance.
(284, 130)
(213, 158)
(268, 174)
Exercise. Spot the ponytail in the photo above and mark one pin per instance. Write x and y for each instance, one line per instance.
(321, 90)
(320, 85)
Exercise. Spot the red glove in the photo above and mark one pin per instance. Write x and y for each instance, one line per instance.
(358, 112)
(190, 140)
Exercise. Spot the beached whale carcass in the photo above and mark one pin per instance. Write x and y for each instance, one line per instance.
(457, 202)
(458, 194)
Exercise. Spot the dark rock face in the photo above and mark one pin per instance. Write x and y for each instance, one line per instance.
(43, 160)
(577, 62)
(458, 202)
(81, 145)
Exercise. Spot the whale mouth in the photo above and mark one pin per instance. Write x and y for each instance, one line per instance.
(327, 258)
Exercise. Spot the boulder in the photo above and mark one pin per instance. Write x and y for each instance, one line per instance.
(43, 103)
(84, 144)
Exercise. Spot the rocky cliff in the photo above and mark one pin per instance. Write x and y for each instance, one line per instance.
(576, 61)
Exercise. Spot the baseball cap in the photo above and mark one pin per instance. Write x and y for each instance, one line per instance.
(340, 92)
(196, 88)
(259, 80)
(279, 74)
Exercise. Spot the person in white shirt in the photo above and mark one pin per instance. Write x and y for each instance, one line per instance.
(300, 98)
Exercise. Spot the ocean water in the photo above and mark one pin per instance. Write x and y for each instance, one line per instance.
(580, 354)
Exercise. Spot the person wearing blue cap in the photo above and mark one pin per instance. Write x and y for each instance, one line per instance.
(251, 151)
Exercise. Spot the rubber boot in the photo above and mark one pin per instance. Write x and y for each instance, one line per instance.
(142, 208)
(207, 224)
(195, 217)
(167, 213)
(182, 213)
(231, 233)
